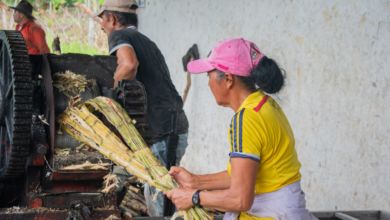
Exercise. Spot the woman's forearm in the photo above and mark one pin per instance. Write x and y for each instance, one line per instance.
(217, 181)
(227, 200)
(235, 194)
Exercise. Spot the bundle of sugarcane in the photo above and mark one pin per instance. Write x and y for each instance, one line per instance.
(84, 126)
(118, 117)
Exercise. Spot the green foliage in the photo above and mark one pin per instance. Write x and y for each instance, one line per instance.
(56, 3)
(76, 47)
(73, 47)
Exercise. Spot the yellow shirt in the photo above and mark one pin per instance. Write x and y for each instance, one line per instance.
(265, 136)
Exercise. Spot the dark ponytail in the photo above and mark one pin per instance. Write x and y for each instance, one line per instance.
(267, 76)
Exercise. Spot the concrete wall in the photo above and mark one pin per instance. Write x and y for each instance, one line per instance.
(337, 58)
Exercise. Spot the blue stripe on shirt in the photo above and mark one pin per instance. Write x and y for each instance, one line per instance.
(235, 132)
(245, 155)
(231, 137)
(240, 129)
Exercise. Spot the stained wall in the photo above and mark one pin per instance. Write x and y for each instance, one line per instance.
(337, 58)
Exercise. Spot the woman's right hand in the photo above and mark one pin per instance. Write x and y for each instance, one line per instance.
(183, 177)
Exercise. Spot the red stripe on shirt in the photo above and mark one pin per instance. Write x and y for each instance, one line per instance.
(257, 109)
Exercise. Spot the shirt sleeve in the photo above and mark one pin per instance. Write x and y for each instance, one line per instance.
(39, 40)
(117, 40)
(245, 141)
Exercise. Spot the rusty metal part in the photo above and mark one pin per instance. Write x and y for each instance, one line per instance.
(79, 175)
(47, 87)
(15, 104)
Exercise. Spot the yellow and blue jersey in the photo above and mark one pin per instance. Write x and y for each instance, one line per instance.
(265, 136)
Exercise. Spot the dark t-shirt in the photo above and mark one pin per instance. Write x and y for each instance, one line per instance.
(153, 73)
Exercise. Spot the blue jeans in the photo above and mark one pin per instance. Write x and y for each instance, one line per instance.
(156, 208)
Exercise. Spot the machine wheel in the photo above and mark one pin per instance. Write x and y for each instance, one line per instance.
(15, 105)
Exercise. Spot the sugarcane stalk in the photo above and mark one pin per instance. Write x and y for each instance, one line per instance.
(130, 200)
(109, 188)
(126, 184)
(136, 205)
(132, 179)
(128, 205)
(142, 196)
(134, 189)
(109, 177)
(126, 209)
(132, 195)
(127, 215)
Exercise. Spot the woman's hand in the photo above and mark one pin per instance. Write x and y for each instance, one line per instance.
(181, 197)
(184, 178)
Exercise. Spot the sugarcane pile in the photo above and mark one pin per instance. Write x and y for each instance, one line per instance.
(80, 123)
(71, 82)
(134, 202)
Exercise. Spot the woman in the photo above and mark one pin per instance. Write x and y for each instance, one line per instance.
(262, 180)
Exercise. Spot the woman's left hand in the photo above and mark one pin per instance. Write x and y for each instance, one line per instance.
(181, 197)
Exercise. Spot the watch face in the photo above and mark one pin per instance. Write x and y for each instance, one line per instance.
(195, 200)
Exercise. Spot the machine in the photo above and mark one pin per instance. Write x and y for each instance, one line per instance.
(31, 174)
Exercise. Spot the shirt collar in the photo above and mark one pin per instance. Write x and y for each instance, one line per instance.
(132, 27)
(28, 23)
(254, 97)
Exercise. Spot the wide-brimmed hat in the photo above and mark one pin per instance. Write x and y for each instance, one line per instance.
(126, 6)
(236, 56)
(25, 7)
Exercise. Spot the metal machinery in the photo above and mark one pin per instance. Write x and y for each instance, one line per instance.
(30, 172)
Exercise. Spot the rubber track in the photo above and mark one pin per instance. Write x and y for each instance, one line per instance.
(22, 97)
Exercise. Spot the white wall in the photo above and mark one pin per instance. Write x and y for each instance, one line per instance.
(337, 93)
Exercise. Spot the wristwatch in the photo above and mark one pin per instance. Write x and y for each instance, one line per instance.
(196, 199)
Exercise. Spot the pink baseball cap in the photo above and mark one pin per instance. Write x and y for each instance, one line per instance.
(235, 56)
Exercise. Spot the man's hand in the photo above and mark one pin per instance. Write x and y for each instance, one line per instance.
(183, 177)
(181, 197)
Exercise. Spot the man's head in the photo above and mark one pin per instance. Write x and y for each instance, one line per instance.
(117, 14)
(114, 20)
(23, 12)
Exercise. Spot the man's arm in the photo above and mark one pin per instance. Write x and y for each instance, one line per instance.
(127, 64)
(40, 40)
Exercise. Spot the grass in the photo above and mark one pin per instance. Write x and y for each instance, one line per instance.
(74, 47)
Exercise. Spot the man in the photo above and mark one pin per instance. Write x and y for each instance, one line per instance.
(139, 58)
(33, 34)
